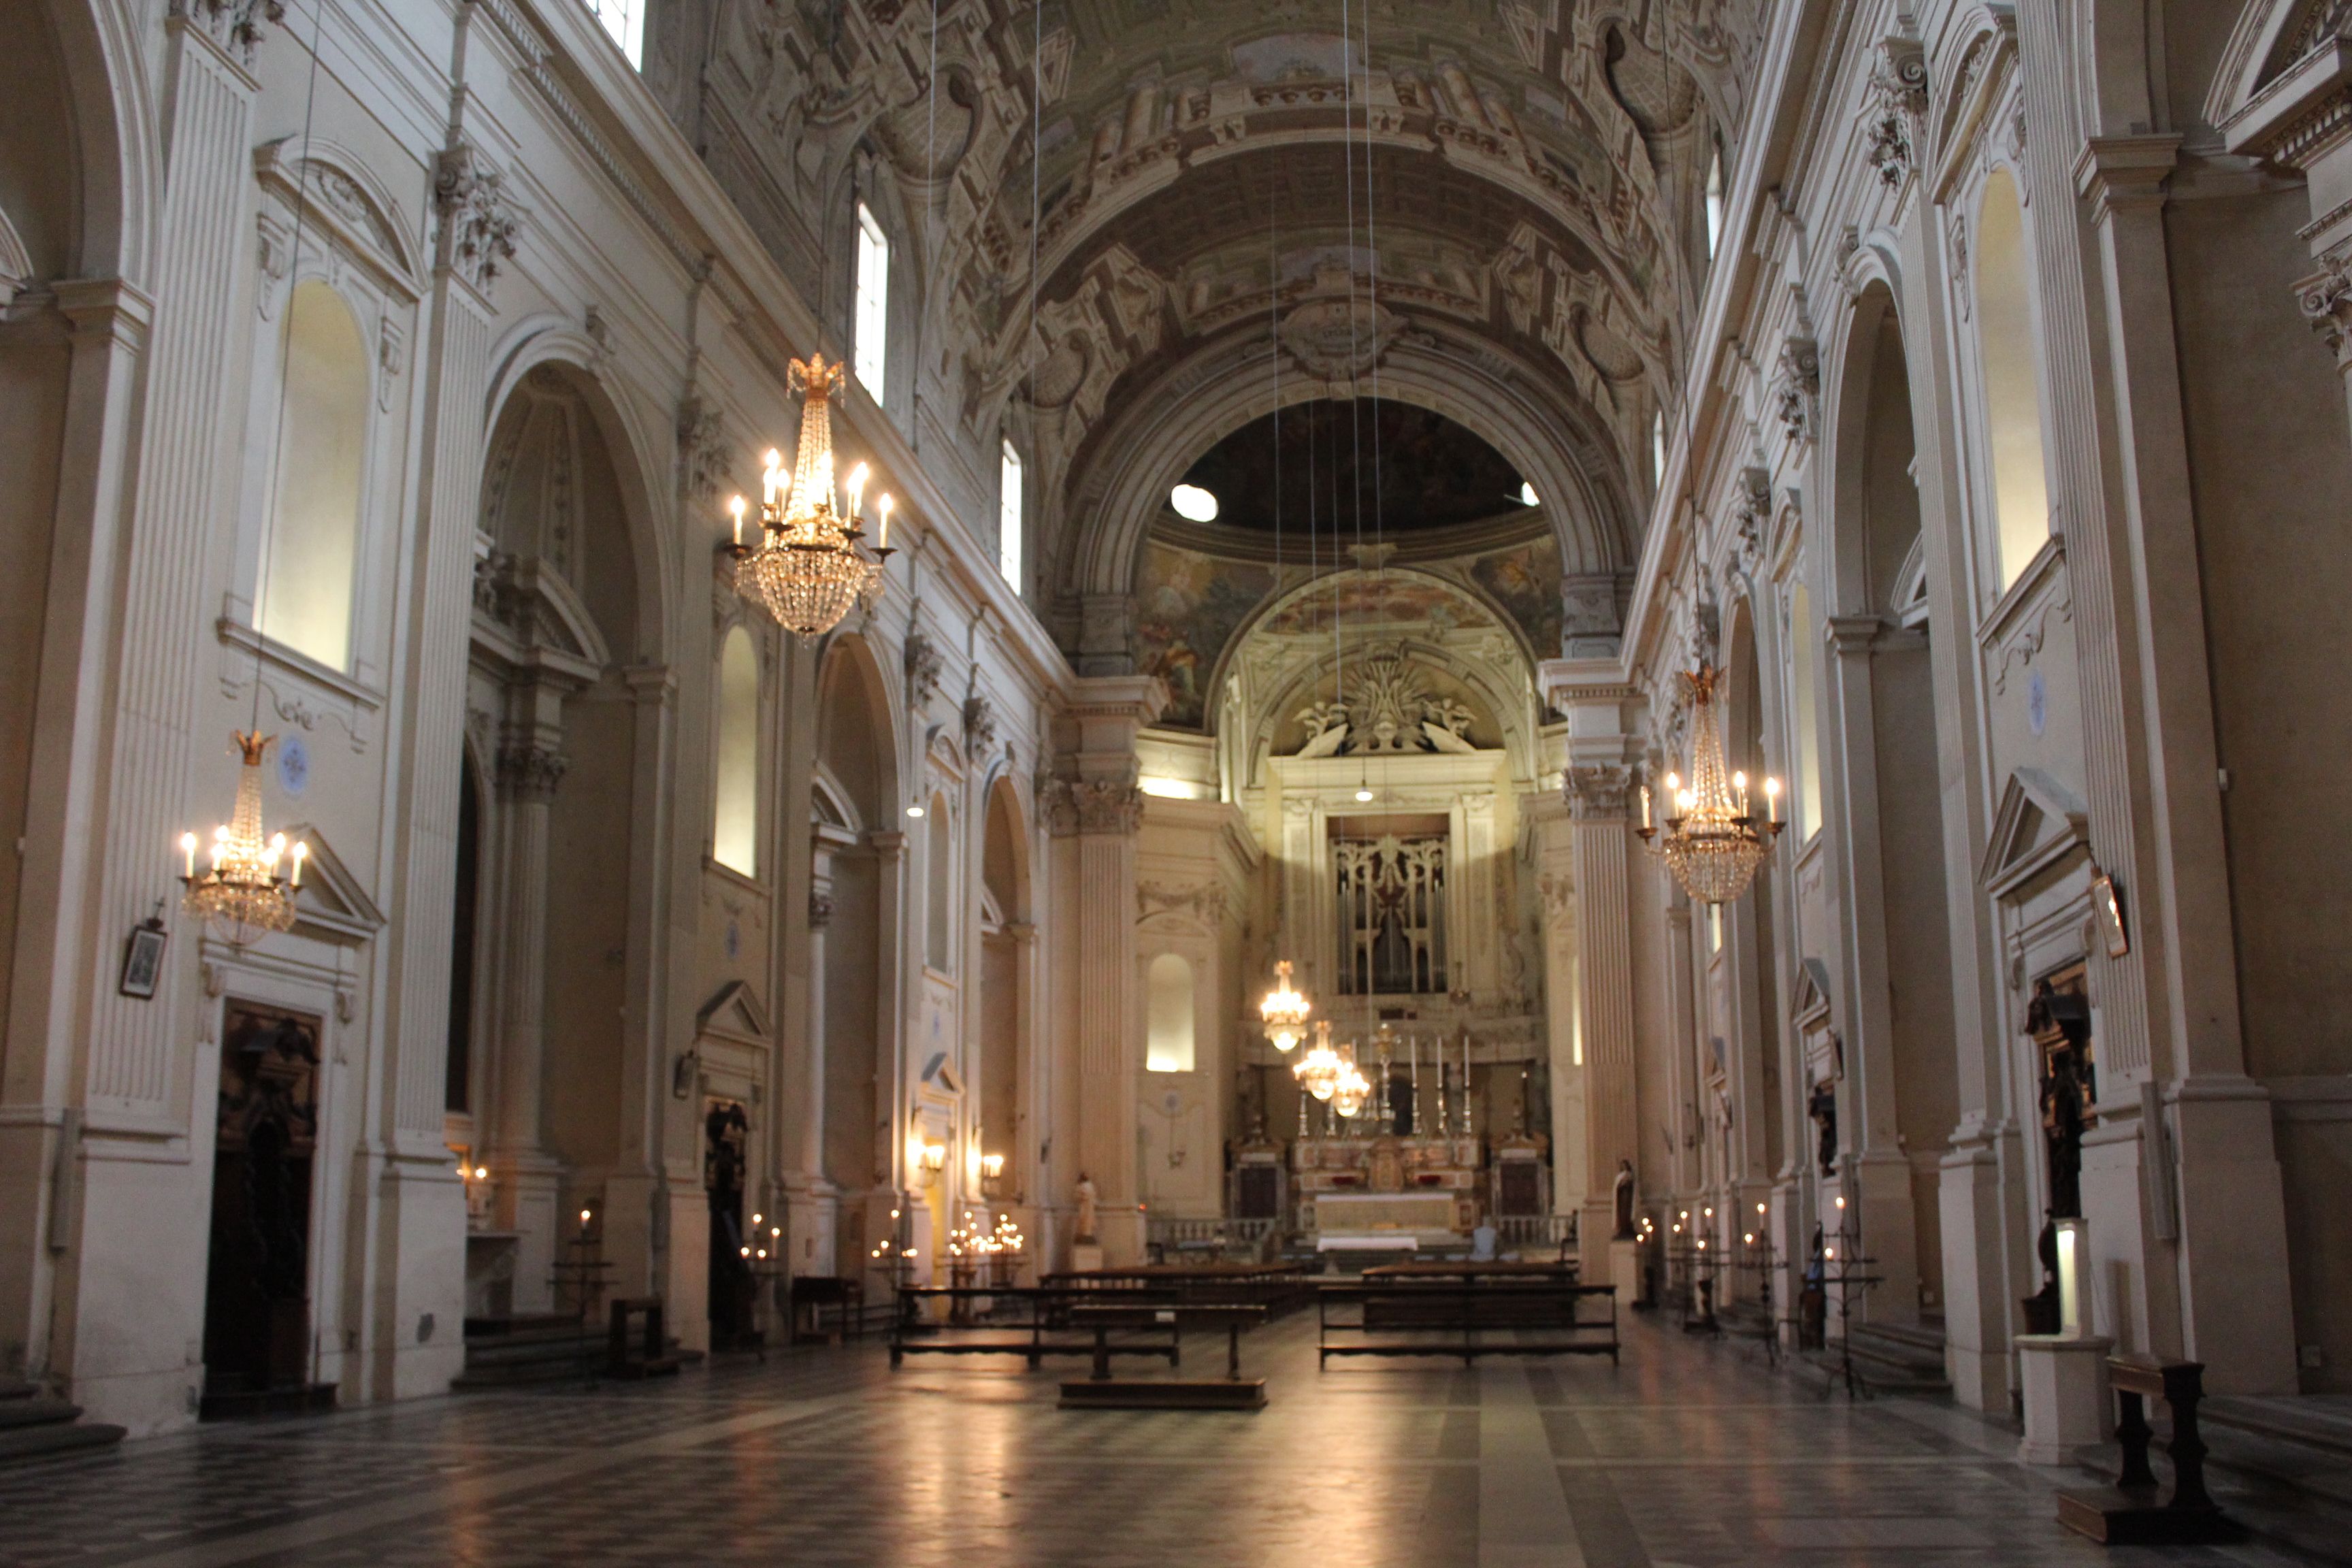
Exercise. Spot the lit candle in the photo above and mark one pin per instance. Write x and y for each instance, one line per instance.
(301, 853)
(1645, 805)
(882, 535)
(188, 848)
(856, 489)
(772, 479)
(1772, 799)
(735, 507)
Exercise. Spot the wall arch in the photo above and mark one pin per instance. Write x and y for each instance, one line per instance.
(1123, 480)
(550, 346)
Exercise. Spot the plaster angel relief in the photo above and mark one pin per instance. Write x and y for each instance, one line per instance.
(1389, 713)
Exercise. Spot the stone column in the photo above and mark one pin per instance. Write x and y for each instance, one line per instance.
(123, 1363)
(1099, 804)
(109, 320)
(1604, 998)
(2222, 1293)
(420, 1271)
(1868, 1124)
(1556, 881)
(526, 1178)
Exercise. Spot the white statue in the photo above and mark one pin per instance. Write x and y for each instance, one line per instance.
(1087, 1195)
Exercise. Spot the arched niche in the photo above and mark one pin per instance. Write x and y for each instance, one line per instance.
(858, 866)
(304, 598)
(2010, 380)
(547, 359)
(1005, 1002)
(735, 809)
(563, 613)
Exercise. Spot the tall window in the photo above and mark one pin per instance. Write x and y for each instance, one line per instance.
(735, 832)
(873, 324)
(1714, 203)
(1008, 517)
(2013, 392)
(626, 20)
(939, 933)
(1658, 448)
(1804, 657)
(1167, 1015)
(305, 600)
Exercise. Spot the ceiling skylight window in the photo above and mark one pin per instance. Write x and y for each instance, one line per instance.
(1193, 504)
(1527, 494)
(626, 20)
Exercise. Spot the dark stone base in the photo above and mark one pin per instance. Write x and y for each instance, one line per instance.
(1165, 1394)
(2119, 1517)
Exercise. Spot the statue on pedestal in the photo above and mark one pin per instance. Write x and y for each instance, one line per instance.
(1624, 1195)
(1086, 1199)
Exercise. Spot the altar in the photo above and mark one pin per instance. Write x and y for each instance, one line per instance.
(1383, 1191)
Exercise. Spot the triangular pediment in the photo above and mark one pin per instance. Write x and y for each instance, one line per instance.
(1810, 1005)
(331, 906)
(733, 1013)
(2040, 828)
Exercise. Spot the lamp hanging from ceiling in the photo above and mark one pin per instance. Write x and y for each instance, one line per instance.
(1713, 843)
(1318, 1070)
(810, 564)
(240, 895)
(1285, 1011)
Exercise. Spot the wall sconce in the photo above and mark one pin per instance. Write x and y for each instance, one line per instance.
(992, 1171)
(928, 1159)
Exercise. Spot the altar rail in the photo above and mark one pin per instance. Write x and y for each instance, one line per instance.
(1226, 1237)
(1519, 1232)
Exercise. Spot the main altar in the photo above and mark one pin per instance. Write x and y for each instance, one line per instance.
(1386, 1191)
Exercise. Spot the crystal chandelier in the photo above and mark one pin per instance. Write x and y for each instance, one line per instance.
(241, 896)
(1318, 1070)
(1349, 1094)
(1713, 844)
(809, 567)
(1285, 1011)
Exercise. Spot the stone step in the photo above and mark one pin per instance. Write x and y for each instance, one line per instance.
(21, 1444)
(18, 1391)
(1925, 1338)
(29, 1410)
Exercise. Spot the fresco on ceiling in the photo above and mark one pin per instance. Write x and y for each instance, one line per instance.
(1186, 608)
(1525, 580)
(1389, 599)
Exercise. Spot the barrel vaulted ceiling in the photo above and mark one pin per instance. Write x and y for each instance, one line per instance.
(1526, 184)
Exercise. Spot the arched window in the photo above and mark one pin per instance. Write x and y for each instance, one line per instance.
(2012, 391)
(1714, 203)
(735, 827)
(1008, 517)
(1804, 657)
(872, 326)
(939, 924)
(305, 597)
(1168, 1015)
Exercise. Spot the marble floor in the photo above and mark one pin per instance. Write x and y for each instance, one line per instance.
(1691, 1453)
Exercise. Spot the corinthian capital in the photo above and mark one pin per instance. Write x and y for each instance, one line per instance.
(530, 774)
(2326, 298)
(1092, 805)
(1598, 793)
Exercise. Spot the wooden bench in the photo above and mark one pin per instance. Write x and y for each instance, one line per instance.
(2127, 1514)
(1469, 1317)
(1030, 1322)
(1101, 1391)
(628, 1357)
